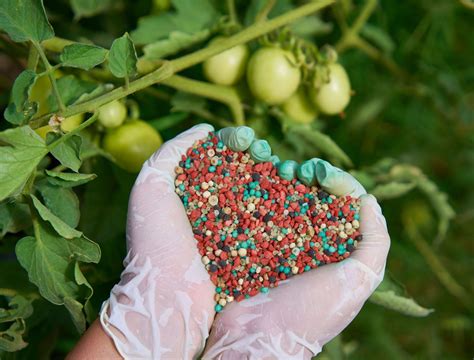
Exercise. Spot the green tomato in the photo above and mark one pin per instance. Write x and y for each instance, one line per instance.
(113, 114)
(132, 144)
(299, 108)
(41, 91)
(72, 122)
(227, 67)
(272, 76)
(333, 97)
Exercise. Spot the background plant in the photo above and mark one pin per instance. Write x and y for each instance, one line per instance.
(407, 136)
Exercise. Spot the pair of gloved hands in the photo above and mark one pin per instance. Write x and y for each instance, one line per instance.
(163, 306)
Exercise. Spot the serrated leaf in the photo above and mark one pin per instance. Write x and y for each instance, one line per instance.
(71, 89)
(14, 217)
(51, 262)
(20, 110)
(123, 57)
(25, 20)
(62, 202)
(68, 152)
(68, 179)
(189, 18)
(176, 42)
(88, 8)
(391, 295)
(59, 225)
(392, 190)
(83, 56)
(21, 151)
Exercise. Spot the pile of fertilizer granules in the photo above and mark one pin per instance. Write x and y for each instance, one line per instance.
(253, 228)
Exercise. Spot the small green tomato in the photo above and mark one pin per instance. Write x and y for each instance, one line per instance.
(227, 67)
(132, 144)
(272, 76)
(113, 114)
(299, 108)
(333, 96)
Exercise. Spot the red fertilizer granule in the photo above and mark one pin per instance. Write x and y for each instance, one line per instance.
(253, 228)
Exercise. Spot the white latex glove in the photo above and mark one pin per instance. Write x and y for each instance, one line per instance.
(163, 306)
(295, 320)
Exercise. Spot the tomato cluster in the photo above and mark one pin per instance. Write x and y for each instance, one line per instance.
(274, 77)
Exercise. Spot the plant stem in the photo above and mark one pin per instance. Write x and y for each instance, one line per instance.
(75, 131)
(263, 13)
(171, 67)
(224, 94)
(49, 69)
(33, 58)
(232, 12)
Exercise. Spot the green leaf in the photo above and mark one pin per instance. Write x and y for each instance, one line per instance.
(391, 295)
(11, 339)
(379, 37)
(20, 109)
(88, 8)
(189, 18)
(59, 225)
(25, 20)
(50, 261)
(14, 217)
(123, 57)
(68, 152)
(392, 190)
(322, 142)
(21, 151)
(168, 121)
(19, 307)
(68, 179)
(71, 90)
(310, 26)
(62, 202)
(176, 42)
(83, 56)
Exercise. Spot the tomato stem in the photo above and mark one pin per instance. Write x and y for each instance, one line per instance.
(49, 68)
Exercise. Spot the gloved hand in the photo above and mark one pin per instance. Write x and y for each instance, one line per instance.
(295, 320)
(163, 306)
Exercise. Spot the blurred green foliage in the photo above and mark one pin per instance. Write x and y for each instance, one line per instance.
(410, 122)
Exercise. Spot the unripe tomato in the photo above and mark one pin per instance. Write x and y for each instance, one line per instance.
(113, 114)
(42, 131)
(299, 108)
(132, 144)
(72, 122)
(272, 76)
(41, 91)
(333, 97)
(227, 67)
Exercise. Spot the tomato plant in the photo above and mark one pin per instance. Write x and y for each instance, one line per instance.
(81, 73)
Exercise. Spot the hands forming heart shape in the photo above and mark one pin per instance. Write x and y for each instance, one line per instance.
(254, 222)
(164, 305)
